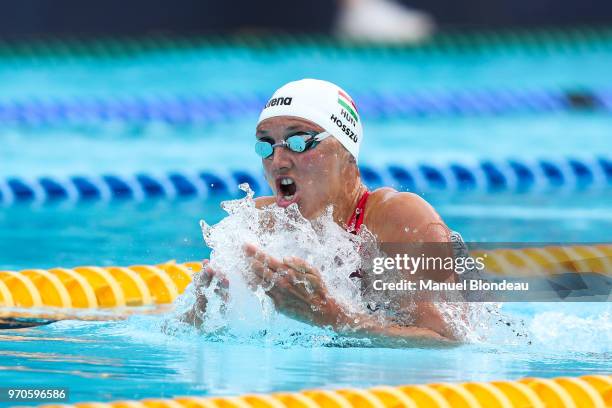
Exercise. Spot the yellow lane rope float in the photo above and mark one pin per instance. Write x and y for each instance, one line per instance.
(547, 260)
(589, 391)
(93, 287)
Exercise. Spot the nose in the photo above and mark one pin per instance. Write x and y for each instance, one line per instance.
(281, 158)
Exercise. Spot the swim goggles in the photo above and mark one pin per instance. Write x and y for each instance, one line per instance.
(298, 143)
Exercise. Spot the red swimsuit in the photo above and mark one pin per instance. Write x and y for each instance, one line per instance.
(354, 223)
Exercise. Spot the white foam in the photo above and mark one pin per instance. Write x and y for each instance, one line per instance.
(280, 233)
(565, 331)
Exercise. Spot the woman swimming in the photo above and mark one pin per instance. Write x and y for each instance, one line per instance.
(308, 137)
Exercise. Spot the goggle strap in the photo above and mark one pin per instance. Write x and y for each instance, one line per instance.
(321, 136)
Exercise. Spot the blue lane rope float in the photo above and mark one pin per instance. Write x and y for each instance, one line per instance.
(487, 176)
(177, 110)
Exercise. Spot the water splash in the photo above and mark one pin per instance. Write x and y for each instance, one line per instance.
(566, 331)
(334, 252)
(249, 316)
(280, 233)
(488, 323)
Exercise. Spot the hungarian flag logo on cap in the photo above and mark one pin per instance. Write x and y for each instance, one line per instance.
(347, 103)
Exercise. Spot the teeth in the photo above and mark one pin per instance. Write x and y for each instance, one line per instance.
(288, 198)
(285, 181)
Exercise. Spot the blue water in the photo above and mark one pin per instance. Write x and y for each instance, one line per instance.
(135, 359)
(239, 71)
(103, 361)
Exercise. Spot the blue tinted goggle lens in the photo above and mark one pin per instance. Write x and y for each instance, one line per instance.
(264, 149)
(295, 143)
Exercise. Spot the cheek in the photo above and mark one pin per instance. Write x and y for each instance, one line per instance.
(314, 169)
(319, 183)
(267, 167)
(314, 162)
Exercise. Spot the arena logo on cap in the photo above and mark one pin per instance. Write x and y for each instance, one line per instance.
(281, 100)
(347, 103)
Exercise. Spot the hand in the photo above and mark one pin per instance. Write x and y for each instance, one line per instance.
(207, 274)
(295, 287)
(202, 280)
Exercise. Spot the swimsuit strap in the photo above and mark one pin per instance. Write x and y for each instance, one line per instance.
(354, 223)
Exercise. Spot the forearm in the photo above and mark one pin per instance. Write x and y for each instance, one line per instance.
(335, 316)
(389, 335)
(201, 283)
(195, 315)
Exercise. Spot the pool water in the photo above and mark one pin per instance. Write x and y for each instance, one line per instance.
(137, 359)
(119, 360)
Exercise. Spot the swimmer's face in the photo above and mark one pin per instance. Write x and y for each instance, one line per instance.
(313, 179)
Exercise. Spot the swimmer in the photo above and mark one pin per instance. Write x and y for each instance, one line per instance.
(308, 137)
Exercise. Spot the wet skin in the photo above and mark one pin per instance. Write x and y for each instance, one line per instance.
(327, 175)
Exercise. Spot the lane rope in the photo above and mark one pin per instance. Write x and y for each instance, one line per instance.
(93, 287)
(183, 110)
(585, 391)
(543, 176)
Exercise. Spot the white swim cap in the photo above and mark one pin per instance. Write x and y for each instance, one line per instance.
(323, 103)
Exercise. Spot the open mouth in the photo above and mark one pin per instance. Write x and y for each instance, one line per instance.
(286, 190)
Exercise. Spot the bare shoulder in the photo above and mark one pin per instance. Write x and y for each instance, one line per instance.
(400, 216)
(265, 201)
(406, 205)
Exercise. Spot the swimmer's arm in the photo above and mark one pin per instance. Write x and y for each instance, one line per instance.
(201, 280)
(299, 293)
(195, 315)
(366, 326)
(384, 335)
(409, 219)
